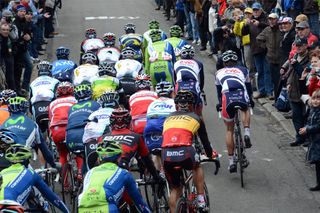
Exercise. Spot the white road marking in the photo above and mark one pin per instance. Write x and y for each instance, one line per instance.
(111, 17)
(267, 159)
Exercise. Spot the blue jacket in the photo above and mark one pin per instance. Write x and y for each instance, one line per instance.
(295, 4)
(313, 133)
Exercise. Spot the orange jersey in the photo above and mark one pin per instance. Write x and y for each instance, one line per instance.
(4, 113)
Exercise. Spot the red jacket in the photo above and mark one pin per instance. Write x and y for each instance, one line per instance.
(314, 84)
(311, 40)
(58, 110)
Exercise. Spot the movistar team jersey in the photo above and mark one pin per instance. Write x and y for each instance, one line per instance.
(95, 129)
(102, 84)
(128, 68)
(18, 182)
(43, 89)
(147, 40)
(179, 129)
(85, 72)
(110, 54)
(62, 66)
(177, 44)
(103, 187)
(92, 44)
(80, 112)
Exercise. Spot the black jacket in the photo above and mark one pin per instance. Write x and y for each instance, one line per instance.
(23, 28)
(313, 133)
(286, 45)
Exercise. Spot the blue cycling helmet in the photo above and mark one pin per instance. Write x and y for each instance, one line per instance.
(62, 53)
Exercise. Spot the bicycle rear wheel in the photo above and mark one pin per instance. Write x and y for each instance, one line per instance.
(68, 184)
(162, 199)
(240, 157)
(182, 205)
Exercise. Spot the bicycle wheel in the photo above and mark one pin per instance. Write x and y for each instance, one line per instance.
(148, 191)
(162, 199)
(182, 205)
(67, 184)
(240, 148)
(206, 197)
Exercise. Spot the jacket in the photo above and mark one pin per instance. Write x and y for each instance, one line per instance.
(313, 133)
(213, 19)
(237, 30)
(310, 7)
(268, 5)
(270, 37)
(312, 40)
(286, 45)
(287, 5)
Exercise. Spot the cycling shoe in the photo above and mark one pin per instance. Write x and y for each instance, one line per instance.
(247, 141)
(233, 168)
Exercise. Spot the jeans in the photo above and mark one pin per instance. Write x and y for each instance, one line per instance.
(180, 19)
(159, 2)
(264, 77)
(275, 75)
(23, 59)
(9, 62)
(314, 23)
(298, 120)
(188, 23)
(195, 26)
(35, 42)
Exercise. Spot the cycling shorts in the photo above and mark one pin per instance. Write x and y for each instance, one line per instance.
(161, 71)
(128, 85)
(175, 159)
(153, 140)
(40, 114)
(74, 140)
(90, 153)
(58, 133)
(230, 100)
(192, 86)
(138, 124)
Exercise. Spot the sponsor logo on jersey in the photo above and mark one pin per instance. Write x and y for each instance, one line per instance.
(124, 139)
(43, 109)
(42, 83)
(163, 106)
(11, 121)
(80, 106)
(175, 153)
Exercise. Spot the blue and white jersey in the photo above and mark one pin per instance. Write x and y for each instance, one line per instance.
(85, 72)
(188, 69)
(110, 54)
(161, 107)
(43, 89)
(62, 66)
(92, 44)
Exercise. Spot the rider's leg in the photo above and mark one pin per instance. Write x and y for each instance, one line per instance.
(175, 194)
(157, 162)
(230, 145)
(246, 124)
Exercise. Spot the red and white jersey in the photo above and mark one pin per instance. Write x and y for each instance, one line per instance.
(92, 44)
(108, 54)
(231, 78)
(58, 110)
(187, 69)
(128, 68)
(85, 72)
(140, 101)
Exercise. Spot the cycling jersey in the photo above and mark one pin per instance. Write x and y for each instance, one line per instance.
(58, 110)
(29, 133)
(18, 182)
(109, 54)
(85, 72)
(177, 44)
(128, 68)
(104, 83)
(134, 41)
(4, 113)
(92, 44)
(103, 188)
(63, 66)
(159, 61)
(43, 89)
(95, 129)
(147, 40)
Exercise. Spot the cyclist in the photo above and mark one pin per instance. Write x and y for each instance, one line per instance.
(157, 112)
(152, 25)
(176, 41)
(5, 95)
(104, 185)
(87, 71)
(62, 68)
(179, 133)
(18, 179)
(91, 43)
(25, 128)
(9, 206)
(159, 59)
(58, 117)
(42, 92)
(128, 69)
(133, 40)
(234, 89)
(109, 53)
(140, 101)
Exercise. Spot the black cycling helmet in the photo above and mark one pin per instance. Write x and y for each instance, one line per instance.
(107, 68)
(184, 99)
(229, 55)
(44, 68)
(83, 92)
(128, 53)
(6, 94)
(143, 82)
(164, 89)
(91, 33)
(155, 35)
(89, 58)
(130, 28)
(109, 99)
(187, 52)
(7, 138)
(120, 118)
(18, 104)
(62, 53)
(109, 39)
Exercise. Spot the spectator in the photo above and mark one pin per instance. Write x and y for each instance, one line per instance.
(187, 7)
(169, 4)
(213, 24)
(314, 70)
(204, 25)
(48, 22)
(194, 23)
(301, 18)
(296, 87)
(228, 13)
(292, 7)
(270, 38)
(159, 4)
(180, 14)
(268, 5)
(311, 9)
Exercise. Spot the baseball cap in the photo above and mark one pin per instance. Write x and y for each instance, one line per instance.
(273, 15)
(248, 10)
(21, 7)
(287, 19)
(301, 18)
(16, 1)
(303, 24)
(7, 13)
(256, 5)
(301, 41)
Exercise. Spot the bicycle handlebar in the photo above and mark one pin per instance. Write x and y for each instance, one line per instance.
(216, 162)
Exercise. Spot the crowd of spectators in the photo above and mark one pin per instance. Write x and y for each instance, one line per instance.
(24, 27)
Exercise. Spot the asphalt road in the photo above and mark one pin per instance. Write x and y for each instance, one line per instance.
(277, 179)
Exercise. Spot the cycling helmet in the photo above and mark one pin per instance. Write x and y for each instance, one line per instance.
(6, 94)
(187, 52)
(107, 68)
(184, 99)
(175, 31)
(109, 99)
(155, 35)
(109, 39)
(120, 118)
(128, 53)
(82, 92)
(64, 76)
(142, 82)
(91, 33)
(109, 150)
(229, 55)
(164, 89)
(10, 206)
(64, 89)
(18, 104)
(130, 28)
(89, 58)
(18, 153)
(44, 68)
(153, 25)
(62, 53)
(7, 138)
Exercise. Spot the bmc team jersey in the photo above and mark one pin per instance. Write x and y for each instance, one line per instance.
(85, 72)
(177, 44)
(102, 84)
(58, 110)
(159, 60)
(103, 187)
(92, 44)
(109, 54)
(18, 183)
(62, 66)
(179, 129)
(128, 68)
(99, 121)
(43, 89)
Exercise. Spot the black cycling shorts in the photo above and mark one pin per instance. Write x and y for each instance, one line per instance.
(176, 159)
(128, 85)
(230, 100)
(40, 113)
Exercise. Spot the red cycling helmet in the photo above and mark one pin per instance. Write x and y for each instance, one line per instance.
(91, 33)
(143, 82)
(64, 89)
(120, 118)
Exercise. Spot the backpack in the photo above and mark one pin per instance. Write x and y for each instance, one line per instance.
(282, 103)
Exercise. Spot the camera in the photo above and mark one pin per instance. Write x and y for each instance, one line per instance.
(8, 19)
